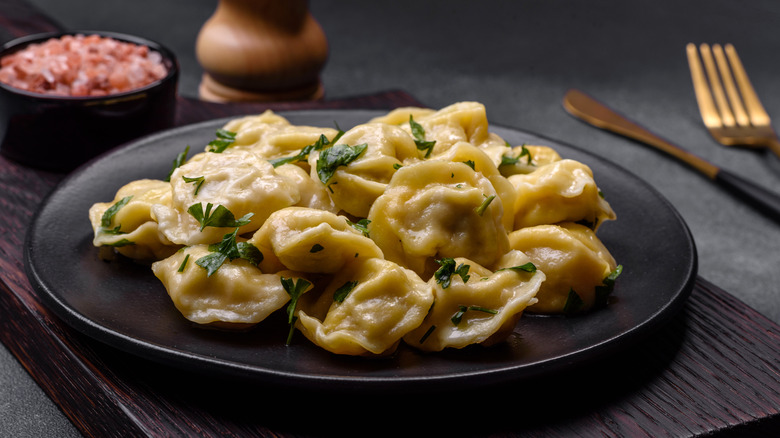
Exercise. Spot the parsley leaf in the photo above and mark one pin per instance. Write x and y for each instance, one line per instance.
(458, 316)
(527, 267)
(229, 249)
(108, 215)
(198, 181)
(341, 293)
(608, 285)
(482, 207)
(524, 152)
(220, 217)
(295, 290)
(444, 274)
(361, 225)
(178, 161)
(333, 157)
(418, 132)
(224, 139)
(573, 302)
(303, 155)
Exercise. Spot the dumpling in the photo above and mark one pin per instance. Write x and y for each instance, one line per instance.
(575, 261)
(127, 225)
(237, 295)
(436, 209)
(366, 309)
(522, 159)
(355, 185)
(238, 181)
(462, 121)
(560, 191)
(311, 241)
(478, 306)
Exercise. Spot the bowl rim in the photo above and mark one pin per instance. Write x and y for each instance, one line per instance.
(20, 43)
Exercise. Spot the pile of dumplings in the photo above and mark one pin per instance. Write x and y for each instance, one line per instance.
(418, 227)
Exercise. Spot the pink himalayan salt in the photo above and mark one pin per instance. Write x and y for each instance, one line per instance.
(78, 65)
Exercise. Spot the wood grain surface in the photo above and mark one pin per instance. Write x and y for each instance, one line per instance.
(714, 369)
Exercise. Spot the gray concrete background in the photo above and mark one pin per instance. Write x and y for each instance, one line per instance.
(518, 58)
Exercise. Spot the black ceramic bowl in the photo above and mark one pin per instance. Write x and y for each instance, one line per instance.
(61, 132)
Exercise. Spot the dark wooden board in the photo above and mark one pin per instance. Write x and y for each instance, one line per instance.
(713, 369)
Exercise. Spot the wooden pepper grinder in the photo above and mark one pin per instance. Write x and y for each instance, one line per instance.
(261, 50)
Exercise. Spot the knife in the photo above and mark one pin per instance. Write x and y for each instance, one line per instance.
(597, 114)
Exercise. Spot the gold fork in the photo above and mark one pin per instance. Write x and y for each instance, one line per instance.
(727, 101)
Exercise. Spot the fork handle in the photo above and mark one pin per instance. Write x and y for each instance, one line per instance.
(766, 201)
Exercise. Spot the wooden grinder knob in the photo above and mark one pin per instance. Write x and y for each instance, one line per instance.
(261, 50)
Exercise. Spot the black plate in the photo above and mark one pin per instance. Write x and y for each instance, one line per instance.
(124, 305)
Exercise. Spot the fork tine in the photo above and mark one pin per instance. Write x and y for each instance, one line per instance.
(709, 112)
(728, 83)
(727, 117)
(758, 116)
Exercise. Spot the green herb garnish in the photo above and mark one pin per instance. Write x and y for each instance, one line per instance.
(527, 267)
(184, 263)
(418, 132)
(108, 216)
(458, 316)
(178, 161)
(198, 181)
(229, 249)
(316, 248)
(303, 155)
(608, 285)
(444, 274)
(220, 217)
(427, 333)
(294, 289)
(341, 293)
(482, 207)
(471, 164)
(361, 225)
(333, 157)
(573, 302)
(224, 139)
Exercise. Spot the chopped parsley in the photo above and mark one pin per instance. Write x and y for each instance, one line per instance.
(184, 263)
(448, 268)
(458, 316)
(361, 225)
(418, 132)
(427, 333)
(108, 216)
(471, 164)
(341, 293)
(303, 155)
(608, 285)
(178, 161)
(198, 181)
(509, 160)
(224, 139)
(482, 207)
(229, 249)
(573, 302)
(219, 217)
(527, 267)
(294, 289)
(339, 155)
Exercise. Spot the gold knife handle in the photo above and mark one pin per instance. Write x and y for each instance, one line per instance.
(594, 112)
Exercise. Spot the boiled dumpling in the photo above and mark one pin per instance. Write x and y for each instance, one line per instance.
(236, 295)
(436, 209)
(478, 306)
(366, 309)
(238, 181)
(575, 261)
(560, 191)
(312, 241)
(355, 185)
(127, 223)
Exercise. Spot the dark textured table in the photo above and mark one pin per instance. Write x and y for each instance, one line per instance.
(713, 369)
